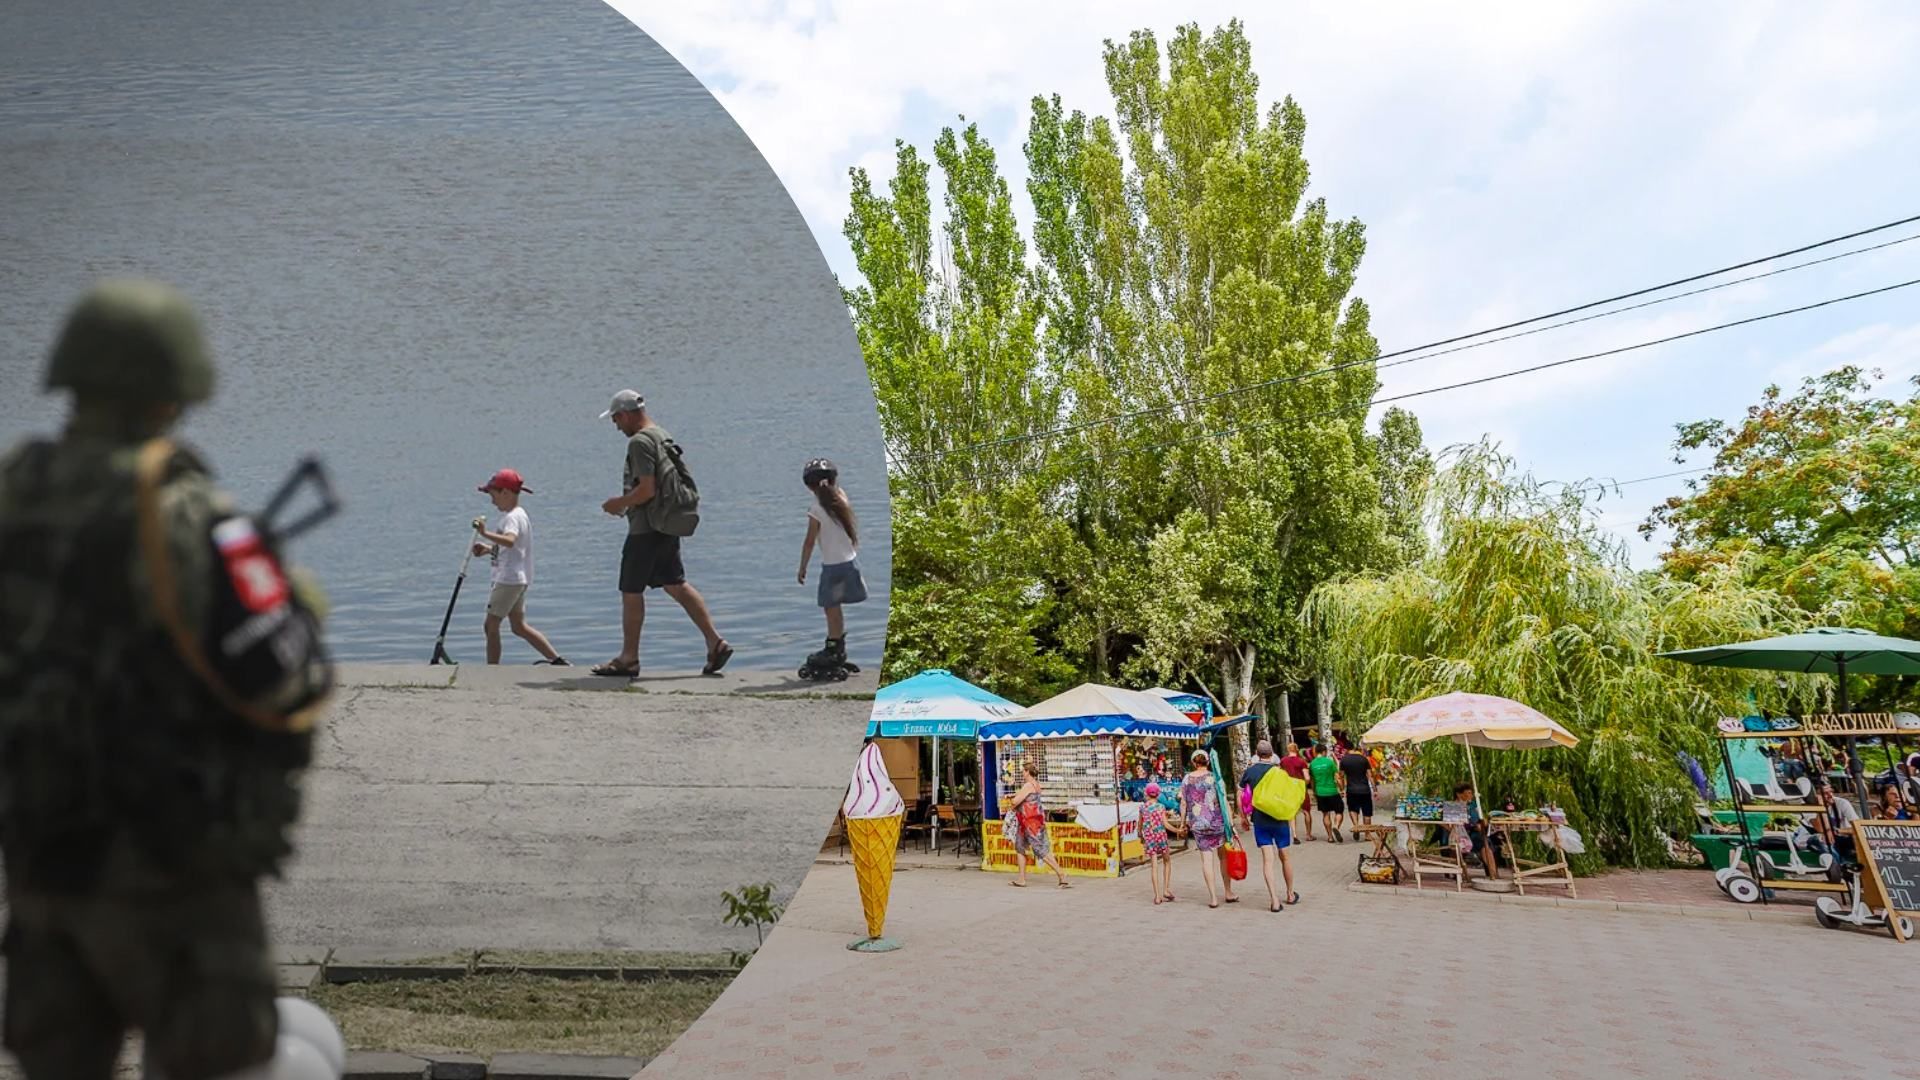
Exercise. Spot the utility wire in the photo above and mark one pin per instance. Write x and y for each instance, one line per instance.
(1068, 429)
(1482, 380)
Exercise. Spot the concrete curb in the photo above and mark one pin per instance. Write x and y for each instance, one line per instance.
(302, 968)
(1731, 912)
(385, 1065)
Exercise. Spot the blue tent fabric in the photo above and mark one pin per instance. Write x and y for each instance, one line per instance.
(935, 703)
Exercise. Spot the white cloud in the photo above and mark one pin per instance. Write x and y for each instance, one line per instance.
(1508, 158)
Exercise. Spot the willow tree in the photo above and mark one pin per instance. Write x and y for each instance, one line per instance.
(1215, 368)
(1522, 595)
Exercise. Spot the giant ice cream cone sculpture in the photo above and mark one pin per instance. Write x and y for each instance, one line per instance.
(873, 811)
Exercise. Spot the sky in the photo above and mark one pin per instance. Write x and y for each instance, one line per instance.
(1518, 160)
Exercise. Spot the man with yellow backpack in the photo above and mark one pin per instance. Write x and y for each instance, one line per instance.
(1276, 797)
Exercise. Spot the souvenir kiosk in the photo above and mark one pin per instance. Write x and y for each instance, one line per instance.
(1081, 742)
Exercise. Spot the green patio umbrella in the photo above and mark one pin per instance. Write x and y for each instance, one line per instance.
(1823, 650)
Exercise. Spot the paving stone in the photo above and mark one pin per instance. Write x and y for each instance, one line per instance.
(381, 1065)
(563, 1067)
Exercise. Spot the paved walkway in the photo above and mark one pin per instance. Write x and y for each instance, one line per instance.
(1096, 981)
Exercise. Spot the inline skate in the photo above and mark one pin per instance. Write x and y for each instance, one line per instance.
(829, 664)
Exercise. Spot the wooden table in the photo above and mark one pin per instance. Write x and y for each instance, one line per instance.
(1382, 837)
(1425, 856)
(1556, 872)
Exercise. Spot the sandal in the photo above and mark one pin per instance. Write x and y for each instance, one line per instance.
(616, 668)
(1233, 899)
(717, 659)
(1064, 885)
(1018, 884)
(1294, 899)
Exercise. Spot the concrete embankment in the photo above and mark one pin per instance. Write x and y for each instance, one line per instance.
(542, 808)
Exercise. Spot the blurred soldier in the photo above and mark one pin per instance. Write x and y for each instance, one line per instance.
(159, 679)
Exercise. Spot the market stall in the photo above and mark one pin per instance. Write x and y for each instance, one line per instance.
(1088, 744)
(933, 706)
(1488, 722)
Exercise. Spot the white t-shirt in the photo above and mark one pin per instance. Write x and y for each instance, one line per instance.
(836, 546)
(514, 565)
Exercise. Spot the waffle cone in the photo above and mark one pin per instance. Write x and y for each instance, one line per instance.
(873, 841)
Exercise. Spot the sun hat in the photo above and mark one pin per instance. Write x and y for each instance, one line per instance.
(624, 402)
(505, 480)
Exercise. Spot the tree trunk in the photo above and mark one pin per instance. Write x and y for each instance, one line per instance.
(1323, 704)
(1284, 720)
(1257, 705)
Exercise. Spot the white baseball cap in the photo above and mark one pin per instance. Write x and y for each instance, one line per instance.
(625, 401)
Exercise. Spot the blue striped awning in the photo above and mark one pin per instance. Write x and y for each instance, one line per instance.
(1082, 726)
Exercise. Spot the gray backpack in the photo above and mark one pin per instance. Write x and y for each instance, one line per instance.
(675, 507)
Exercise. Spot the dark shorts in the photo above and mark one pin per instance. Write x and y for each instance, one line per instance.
(1278, 836)
(1360, 802)
(650, 561)
(841, 583)
(1330, 804)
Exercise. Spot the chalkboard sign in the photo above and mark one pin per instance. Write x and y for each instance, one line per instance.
(1890, 855)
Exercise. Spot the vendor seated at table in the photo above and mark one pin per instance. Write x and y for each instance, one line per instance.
(1487, 853)
(1833, 828)
(1893, 805)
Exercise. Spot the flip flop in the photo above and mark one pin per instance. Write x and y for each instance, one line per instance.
(617, 669)
(1064, 885)
(717, 659)
(1294, 899)
(1233, 899)
(1277, 908)
(1018, 884)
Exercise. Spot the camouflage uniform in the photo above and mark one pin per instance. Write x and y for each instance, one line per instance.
(145, 787)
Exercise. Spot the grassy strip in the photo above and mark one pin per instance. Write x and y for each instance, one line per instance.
(503, 1013)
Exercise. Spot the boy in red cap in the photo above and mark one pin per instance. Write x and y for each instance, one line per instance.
(511, 545)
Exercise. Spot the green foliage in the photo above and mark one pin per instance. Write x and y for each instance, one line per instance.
(1521, 595)
(1816, 496)
(752, 906)
(1175, 259)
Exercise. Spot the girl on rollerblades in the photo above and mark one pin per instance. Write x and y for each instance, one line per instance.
(831, 524)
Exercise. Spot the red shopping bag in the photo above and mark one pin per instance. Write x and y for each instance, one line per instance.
(1236, 861)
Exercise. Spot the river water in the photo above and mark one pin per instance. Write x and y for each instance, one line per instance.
(430, 239)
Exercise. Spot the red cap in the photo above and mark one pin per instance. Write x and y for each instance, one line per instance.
(505, 480)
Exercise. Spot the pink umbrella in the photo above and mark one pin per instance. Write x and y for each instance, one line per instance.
(1471, 720)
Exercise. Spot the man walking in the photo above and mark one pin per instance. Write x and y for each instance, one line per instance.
(1356, 769)
(1271, 836)
(651, 557)
(160, 675)
(1296, 767)
(1326, 790)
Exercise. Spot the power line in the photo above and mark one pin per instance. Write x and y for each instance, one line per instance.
(1068, 429)
(1658, 288)
(1653, 302)
(1482, 380)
